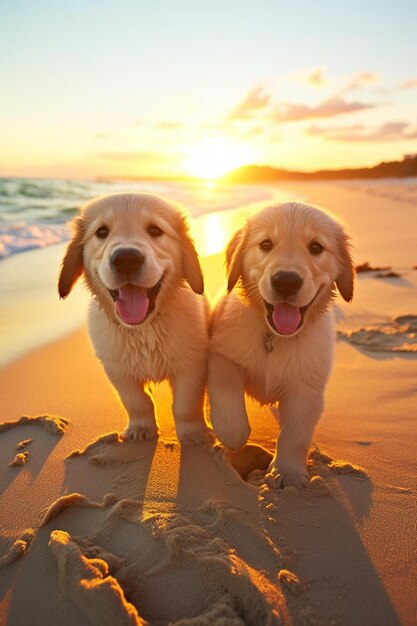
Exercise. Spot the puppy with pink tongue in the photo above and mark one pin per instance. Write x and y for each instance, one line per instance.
(272, 336)
(148, 318)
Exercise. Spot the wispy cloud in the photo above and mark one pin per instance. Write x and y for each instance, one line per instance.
(254, 131)
(259, 102)
(409, 84)
(145, 157)
(390, 131)
(332, 107)
(360, 80)
(257, 99)
(169, 125)
(316, 78)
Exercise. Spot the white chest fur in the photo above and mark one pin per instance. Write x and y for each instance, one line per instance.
(304, 360)
(273, 364)
(153, 350)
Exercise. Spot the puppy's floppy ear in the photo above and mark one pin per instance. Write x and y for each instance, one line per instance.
(191, 265)
(72, 265)
(234, 258)
(346, 278)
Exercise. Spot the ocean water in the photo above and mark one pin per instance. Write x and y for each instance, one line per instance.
(34, 216)
(34, 213)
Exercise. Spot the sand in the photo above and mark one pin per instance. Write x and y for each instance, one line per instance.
(98, 530)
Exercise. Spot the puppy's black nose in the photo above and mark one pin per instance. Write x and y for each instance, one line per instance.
(127, 260)
(286, 283)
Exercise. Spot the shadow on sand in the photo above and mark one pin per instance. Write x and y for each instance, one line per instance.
(313, 533)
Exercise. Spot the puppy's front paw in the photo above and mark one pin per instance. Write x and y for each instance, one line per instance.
(277, 479)
(141, 431)
(194, 434)
(233, 438)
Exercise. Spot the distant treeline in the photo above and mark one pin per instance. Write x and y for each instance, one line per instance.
(265, 173)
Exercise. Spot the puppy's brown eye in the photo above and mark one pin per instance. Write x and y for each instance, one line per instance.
(102, 232)
(315, 248)
(154, 231)
(266, 245)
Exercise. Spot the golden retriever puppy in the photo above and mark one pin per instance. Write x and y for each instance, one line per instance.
(273, 337)
(147, 319)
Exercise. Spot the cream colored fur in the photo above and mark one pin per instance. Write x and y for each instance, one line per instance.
(171, 343)
(248, 356)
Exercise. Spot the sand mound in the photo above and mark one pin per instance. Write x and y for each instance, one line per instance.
(245, 555)
(112, 449)
(52, 423)
(292, 582)
(24, 443)
(87, 581)
(399, 335)
(20, 459)
(204, 581)
(205, 558)
(113, 437)
(19, 547)
(220, 578)
(319, 461)
(72, 499)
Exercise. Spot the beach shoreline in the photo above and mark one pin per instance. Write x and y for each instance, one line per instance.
(371, 212)
(341, 552)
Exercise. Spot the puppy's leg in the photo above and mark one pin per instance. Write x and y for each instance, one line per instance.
(188, 406)
(299, 414)
(140, 406)
(226, 388)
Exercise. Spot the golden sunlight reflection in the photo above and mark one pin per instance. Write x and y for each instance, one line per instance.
(212, 231)
(214, 156)
(215, 234)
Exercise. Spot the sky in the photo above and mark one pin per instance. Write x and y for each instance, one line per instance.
(94, 88)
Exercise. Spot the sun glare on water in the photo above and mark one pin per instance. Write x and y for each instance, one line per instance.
(213, 157)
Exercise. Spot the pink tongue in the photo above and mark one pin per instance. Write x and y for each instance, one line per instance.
(132, 304)
(286, 318)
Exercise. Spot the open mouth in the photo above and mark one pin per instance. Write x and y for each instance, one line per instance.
(285, 318)
(134, 303)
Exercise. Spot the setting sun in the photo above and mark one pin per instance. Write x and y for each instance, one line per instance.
(213, 157)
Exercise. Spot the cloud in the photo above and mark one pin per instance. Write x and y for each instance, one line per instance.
(409, 84)
(169, 125)
(255, 130)
(257, 99)
(316, 78)
(390, 131)
(359, 80)
(332, 107)
(146, 158)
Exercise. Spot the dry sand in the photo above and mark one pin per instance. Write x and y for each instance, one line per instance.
(97, 530)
